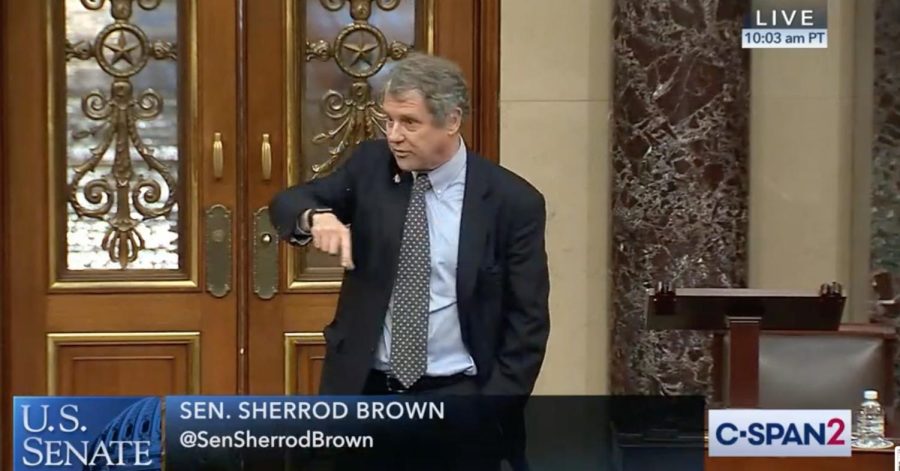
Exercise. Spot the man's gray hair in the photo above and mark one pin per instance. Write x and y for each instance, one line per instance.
(440, 81)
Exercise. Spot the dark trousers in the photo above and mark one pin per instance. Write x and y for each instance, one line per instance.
(380, 384)
(462, 442)
(505, 414)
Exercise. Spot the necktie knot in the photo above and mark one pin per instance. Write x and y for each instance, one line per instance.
(422, 183)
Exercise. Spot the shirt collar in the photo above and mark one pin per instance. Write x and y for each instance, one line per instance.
(449, 171)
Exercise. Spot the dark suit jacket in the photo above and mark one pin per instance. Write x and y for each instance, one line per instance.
(502, 277)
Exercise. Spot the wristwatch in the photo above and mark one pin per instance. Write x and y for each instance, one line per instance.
(313, 212)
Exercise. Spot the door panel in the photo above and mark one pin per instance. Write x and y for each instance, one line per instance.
(128, 364)
(314, 69)
(304, 356)
(3, 295)
(109, 179)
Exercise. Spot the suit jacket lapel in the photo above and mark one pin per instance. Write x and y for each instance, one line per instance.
(474, 225)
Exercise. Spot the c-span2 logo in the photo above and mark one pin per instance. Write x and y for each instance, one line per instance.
(768, 432)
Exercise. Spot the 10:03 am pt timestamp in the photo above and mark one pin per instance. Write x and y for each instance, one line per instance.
(784, 38)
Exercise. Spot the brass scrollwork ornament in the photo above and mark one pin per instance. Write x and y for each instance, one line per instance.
(360, 50)
(122, 197)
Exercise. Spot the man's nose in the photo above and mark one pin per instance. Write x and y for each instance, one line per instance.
(393, 135)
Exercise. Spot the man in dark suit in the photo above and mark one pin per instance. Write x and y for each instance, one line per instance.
(446, 284)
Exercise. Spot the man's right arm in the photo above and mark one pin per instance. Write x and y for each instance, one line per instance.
(335, 192)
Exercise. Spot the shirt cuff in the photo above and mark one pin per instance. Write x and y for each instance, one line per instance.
(299, 236)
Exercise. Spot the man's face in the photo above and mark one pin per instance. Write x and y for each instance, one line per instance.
(418, 143)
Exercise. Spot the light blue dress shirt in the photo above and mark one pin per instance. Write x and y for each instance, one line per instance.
(447, 354)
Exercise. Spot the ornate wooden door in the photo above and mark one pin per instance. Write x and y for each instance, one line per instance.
(314, 68)
(119, 186)
(142, 141)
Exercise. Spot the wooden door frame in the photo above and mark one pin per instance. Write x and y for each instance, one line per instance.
(5, 404)
(487, 63)
(3, 186)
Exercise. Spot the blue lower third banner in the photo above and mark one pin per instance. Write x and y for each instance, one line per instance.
(469, 433)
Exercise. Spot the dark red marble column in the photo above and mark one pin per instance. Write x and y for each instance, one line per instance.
(886, 144)
(885, 225)
(680, 177)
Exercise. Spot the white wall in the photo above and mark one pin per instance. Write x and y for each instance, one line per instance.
(555, 100)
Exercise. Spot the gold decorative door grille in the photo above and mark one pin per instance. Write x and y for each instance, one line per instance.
(333, 77)
(121, 111)
(360, 50)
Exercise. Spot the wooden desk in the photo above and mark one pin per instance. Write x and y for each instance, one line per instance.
(862, 460)
(644, 456)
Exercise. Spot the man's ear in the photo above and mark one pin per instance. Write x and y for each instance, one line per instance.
(454, 121)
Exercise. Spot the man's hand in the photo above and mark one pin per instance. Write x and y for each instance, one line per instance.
(330, 235)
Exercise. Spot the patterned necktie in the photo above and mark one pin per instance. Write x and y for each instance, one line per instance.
(411, 296)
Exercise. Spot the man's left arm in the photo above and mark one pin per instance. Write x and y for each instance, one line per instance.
(526, 313)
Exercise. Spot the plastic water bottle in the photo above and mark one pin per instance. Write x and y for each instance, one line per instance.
(870, 422)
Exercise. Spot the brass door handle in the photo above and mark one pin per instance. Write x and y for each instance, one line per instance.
(218, 159)
(266, 154)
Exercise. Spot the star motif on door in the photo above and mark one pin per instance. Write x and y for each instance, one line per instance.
(360, 51)
(121, 49)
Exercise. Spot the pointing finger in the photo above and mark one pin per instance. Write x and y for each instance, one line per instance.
(346, 251)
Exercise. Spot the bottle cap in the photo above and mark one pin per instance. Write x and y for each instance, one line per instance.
(870, 395)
